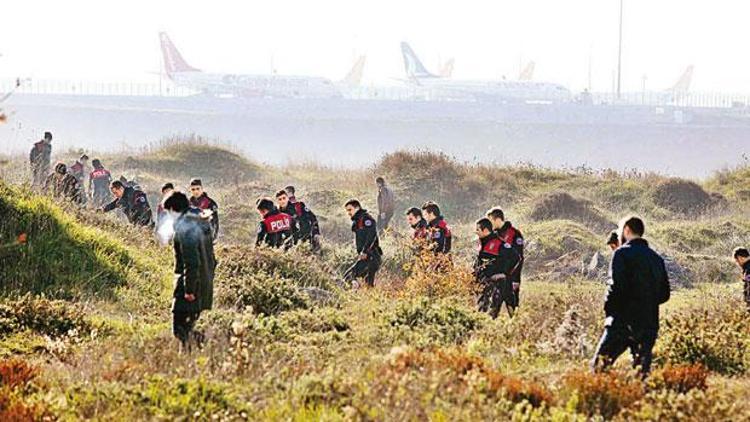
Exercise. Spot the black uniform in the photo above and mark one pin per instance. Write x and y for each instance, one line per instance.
(495, 257)
(63, 186)
(367, 242)
(440, 235)
(99, 180)
(638, 285)
(276, 230)
(204, 202)
(305, 220)
(746, 281)
(134, 204)
(194, 272)
(514, 238)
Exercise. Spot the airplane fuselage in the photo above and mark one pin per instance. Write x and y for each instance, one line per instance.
(494, 90)
(278, 86)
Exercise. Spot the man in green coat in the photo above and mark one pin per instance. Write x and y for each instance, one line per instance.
(194, 268)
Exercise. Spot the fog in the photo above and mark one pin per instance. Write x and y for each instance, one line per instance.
(94, 74)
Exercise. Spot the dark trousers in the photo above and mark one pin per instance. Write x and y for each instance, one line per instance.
(366, 268)
(182, 327)
(618, 338)
(494, 294)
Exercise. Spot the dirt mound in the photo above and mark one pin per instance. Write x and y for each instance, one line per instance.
(185, 160)
(426, 175)
(682, 196)
(563, 206)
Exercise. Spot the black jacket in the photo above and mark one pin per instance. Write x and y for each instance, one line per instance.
(746, 281)
(365, 233)
(194, 263)
(514, 238)
(134, 204)
(638, 285)
(495, 257)
(440, 235)
(304, 219)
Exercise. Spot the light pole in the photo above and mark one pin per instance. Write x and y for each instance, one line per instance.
(619, 56)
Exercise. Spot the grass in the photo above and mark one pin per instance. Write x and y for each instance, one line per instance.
(88, 304)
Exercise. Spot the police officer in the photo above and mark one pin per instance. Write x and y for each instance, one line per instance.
(134, 203)
(638, 285)
(167, 190)
(210, 209)
(194, 269)
(39, 158)
(62, 185)
(742, 258)
(417, 223)
(78, 170)
(276, 229)
(369, 254)
(99, 180)
(307, 228)
(438, 230)
(514, 238)
(386, 204)
(493, 267)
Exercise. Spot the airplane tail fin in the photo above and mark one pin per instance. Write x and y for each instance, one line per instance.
(173, 61)
(354, 77)
(412, 64)
(447, 70)
(527, 73)
(683, 84)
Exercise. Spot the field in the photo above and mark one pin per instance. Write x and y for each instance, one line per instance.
(85, 324)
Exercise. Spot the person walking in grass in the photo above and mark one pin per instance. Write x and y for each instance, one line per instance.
(193, 270)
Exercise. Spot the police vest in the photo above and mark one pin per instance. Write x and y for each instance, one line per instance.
(99, 174)
(278, 223)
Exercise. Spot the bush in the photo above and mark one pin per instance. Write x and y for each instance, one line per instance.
(43, 316)
(695, 405)
(262, 293)
(16, 373)
(679, 378)
(719, 342)
(436, 277)
(426, 322)
(604, 393)
(458, 372)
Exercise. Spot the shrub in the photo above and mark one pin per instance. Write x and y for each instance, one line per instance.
(603, 393)
(719, 342)
(433, 321)
(261, 292)
(458, 372)
(436, 277)
(679, 378)
(695, 405)
(15, 373)
(48, 317)
(303, 270)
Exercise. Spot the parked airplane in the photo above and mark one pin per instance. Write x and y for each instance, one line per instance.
(479, 90)
(527, 73)
(284, 86)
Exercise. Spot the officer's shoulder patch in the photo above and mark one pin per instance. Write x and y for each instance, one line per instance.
(506, 245)
(368, 222)
(260, 227)
(436, 235)
(747, 277)
(519, 241)
(307, 209)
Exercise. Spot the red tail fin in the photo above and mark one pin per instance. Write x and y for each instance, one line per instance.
(173, 61)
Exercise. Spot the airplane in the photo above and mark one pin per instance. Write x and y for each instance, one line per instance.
(280, 86)
(479, 90)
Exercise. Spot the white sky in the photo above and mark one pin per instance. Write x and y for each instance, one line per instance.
(117, 40)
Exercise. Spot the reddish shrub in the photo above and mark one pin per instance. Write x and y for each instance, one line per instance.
(605, 393)
(680, 378)
(16, 373)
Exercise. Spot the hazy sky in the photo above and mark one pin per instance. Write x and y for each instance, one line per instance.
(107, 40)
